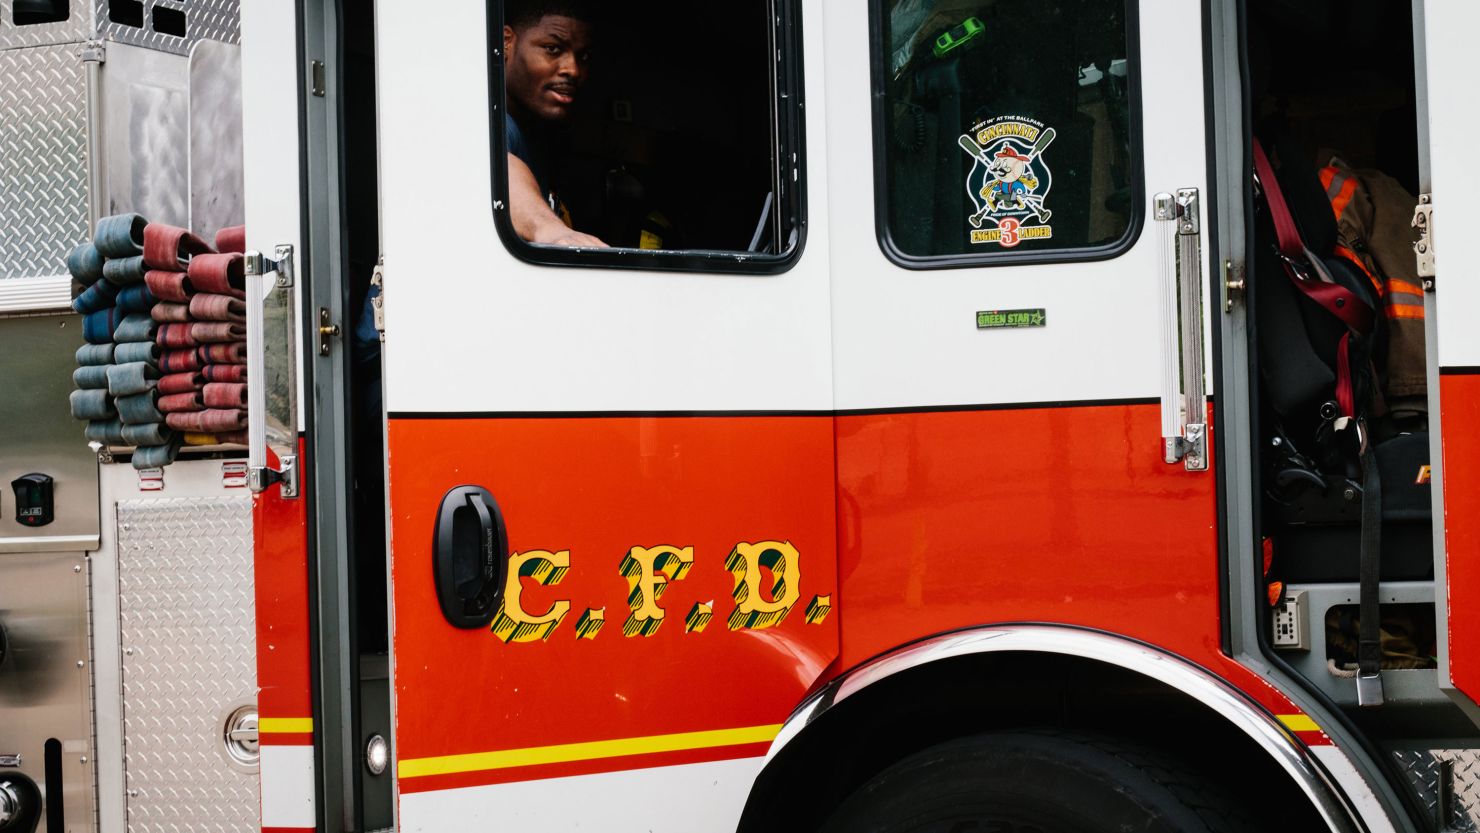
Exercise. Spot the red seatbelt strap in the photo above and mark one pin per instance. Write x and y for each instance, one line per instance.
(1332, 297)
(1345, 399)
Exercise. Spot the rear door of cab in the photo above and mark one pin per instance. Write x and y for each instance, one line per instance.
(1450, 180)
(1003, 406)
(642, 433)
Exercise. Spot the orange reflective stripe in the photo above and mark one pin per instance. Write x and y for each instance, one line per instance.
(1339, 188)
(1357, 261)
(1338, 202)
(1404, 286)
(1404, 311)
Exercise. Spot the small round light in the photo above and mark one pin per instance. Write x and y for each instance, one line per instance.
(377, 755)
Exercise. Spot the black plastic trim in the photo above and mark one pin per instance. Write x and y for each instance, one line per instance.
(55, 804)
(1076, 255)
(1214, 288)
(323, 801)
(791, 113)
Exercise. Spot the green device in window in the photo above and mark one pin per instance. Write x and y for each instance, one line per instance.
(958, 36)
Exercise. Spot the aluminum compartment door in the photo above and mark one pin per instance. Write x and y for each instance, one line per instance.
(1449, 174)
(643, 433)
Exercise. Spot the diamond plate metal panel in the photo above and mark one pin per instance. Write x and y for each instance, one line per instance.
(204, 20)
(189, 657)
(77, 27)
(1427, 770)
(43, 159)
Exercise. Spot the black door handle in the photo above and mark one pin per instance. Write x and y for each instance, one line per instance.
(470, 556)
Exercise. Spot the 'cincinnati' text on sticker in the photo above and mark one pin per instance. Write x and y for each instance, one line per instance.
(996, 131)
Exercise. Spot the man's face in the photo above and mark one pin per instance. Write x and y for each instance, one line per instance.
(545, 64)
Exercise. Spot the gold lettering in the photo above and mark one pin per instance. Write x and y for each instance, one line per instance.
(990, 133)
(698, 618)
(590, 623)
(818, 608)
(752, 608)
(513, 623)
(648, 572)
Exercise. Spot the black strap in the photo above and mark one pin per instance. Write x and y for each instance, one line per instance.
(1369, 625)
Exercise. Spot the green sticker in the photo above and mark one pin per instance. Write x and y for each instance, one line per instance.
(1001, 319)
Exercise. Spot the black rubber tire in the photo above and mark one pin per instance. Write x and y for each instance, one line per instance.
(1038, 782)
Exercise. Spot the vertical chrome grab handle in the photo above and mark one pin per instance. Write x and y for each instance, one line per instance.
(1184, 426)
(271, 371)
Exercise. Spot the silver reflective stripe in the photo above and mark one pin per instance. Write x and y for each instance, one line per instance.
(1334, 189)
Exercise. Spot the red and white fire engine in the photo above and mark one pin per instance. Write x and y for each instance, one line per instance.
(914, 459)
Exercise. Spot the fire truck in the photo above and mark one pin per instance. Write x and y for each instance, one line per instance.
(921, 454)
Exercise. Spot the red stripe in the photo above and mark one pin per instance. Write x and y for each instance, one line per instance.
(1459, 399)
(286, 738)
(944, 520)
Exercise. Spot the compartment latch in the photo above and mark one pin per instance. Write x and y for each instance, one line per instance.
(1423, 247)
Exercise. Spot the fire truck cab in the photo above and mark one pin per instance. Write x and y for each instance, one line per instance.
(951, 431)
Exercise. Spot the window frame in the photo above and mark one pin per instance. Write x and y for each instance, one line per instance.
(788, 93)
(1083, 254)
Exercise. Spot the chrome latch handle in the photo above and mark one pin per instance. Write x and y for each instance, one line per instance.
(1183, 391)
(271, 371)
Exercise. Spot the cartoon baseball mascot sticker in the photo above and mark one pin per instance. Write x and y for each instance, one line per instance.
(1009, 180)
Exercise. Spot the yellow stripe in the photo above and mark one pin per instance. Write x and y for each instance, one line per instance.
(567, 752)
(1298, 723)
(285, 725)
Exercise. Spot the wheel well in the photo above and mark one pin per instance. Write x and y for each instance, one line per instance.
(951, 698)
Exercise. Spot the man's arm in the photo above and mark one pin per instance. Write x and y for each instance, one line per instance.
(533, 220)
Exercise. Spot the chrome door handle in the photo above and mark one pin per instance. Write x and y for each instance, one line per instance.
(1184, 425)
(272, 365)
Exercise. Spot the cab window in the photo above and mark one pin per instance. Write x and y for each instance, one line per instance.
(1004, 131)
(669, 138)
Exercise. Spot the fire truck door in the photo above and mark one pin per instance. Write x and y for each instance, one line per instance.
(285, 723)
(611, 481)
(1019, 320)
(1449, 207)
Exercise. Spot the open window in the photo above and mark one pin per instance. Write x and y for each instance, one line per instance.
(1005, 132)
(683, 148)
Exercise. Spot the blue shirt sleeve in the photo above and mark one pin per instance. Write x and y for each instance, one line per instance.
(519, 146)
(514, 137)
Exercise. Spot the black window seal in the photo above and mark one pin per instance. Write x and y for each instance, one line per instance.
(789, 99)
(1083, 254)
